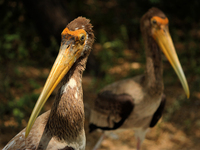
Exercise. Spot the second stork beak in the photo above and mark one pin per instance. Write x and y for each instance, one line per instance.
(164, 40)
(67, 56)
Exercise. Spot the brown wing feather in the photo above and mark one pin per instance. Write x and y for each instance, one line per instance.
(111, 110)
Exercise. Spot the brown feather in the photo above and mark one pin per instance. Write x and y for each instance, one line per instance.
(116, 109)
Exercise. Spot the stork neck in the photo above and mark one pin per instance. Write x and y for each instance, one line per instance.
(154, 68)
(66, 120)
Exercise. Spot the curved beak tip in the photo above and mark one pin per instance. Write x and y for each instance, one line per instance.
(188, 94)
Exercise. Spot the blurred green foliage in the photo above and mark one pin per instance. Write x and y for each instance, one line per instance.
(19, 107)
(19, 40)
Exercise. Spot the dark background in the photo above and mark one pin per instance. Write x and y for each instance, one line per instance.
(30, 38)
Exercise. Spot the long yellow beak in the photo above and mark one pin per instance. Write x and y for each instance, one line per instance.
(67, 56)
(164, 40)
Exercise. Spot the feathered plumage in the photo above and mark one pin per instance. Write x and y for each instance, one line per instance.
(62, 127)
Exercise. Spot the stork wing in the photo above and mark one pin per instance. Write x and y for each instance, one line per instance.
(110, 111)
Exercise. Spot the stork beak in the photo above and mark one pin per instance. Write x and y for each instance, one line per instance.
(164, 40)
(67, 56)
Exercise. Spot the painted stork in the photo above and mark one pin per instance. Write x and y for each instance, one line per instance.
(62, 127)
(138, 102)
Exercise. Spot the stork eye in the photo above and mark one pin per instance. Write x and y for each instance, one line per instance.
(82, 38)
(153, 21)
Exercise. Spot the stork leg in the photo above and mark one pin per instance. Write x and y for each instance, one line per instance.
(140, 136)
(138, 143)
(97, 145)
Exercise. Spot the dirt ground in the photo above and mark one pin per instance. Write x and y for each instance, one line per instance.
(179, 129)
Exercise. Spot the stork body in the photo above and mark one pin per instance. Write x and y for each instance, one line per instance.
(138, 102)
(62, 127)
